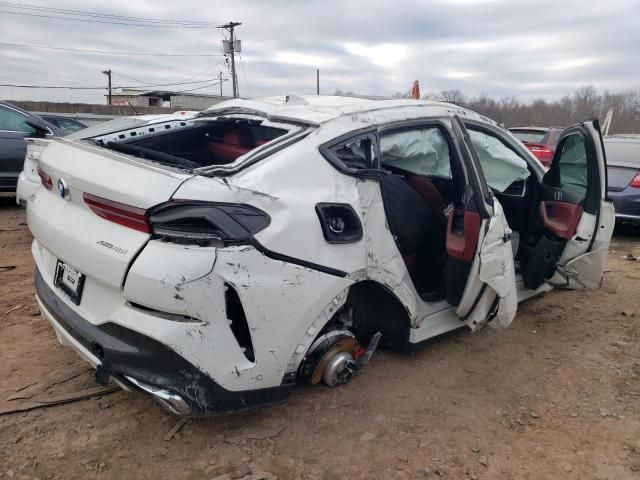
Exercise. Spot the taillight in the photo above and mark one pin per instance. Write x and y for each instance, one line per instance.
(206, 223)
(120, 213)
(45, 179)
(635, 183)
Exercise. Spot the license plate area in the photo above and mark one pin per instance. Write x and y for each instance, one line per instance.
(70, 281)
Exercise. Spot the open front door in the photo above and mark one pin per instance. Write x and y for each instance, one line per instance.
(576, 215)
(479, 247)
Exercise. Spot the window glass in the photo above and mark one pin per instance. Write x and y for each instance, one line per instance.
(529, 136)
(573, 164)
(501, 165)
(423, 151)
(13, 121)
(358, 153)
(69, 125)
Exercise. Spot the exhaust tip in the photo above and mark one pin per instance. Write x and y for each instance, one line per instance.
(169, 400)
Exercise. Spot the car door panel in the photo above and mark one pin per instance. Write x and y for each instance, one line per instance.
(560, 218)
(575, 186)
(463, 231)
(490, 290)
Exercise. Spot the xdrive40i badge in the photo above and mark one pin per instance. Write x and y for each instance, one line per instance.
(112, 247)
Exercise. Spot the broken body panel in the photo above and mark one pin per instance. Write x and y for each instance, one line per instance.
(287, 285)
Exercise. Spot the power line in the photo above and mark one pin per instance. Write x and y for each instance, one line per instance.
(71, 87)
(111, 52)
(63, 11)
(205, 70)
(179, 82)
(50, 86)
(105, 22)
(244, 72)
(201, 88)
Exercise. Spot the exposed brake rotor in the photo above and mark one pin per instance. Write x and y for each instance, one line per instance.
(336, 357)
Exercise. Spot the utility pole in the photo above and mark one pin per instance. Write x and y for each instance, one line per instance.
(108, 74)
(220, 80)
(232, 50)
(317, 81)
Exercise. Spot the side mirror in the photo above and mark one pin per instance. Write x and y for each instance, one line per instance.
(39, 126)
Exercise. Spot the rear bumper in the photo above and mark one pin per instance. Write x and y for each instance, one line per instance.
(8, 183)
(144, 364)
(627, 205)
(24, 189)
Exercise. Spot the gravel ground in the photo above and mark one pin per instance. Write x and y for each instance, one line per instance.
(556, 395)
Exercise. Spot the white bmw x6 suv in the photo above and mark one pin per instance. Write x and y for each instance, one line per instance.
(275, 241)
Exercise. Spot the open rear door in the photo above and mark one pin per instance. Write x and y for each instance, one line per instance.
(479, 246)
(576, 214)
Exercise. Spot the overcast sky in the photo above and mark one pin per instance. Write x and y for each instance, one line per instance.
(499, 47)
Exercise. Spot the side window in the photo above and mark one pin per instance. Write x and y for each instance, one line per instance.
(501, 165)
(13, 121)
(572, 164)
(357, 153)
(419, 150)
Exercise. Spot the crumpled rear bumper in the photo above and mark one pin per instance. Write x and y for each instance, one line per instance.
(144, 364)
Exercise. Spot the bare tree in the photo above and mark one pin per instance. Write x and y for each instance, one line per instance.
(453, 96)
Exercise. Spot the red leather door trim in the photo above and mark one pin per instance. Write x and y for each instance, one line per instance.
(462, 243)
(560, 218)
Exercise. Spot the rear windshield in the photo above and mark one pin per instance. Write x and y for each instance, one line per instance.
(530, 136)
(204, 143)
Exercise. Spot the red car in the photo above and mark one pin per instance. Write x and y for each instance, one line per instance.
(540, 140)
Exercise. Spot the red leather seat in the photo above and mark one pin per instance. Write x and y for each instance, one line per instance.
(233, 144)
(432, 256)
(431, 195)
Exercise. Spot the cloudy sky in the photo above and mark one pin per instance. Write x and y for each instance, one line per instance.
(498, 47)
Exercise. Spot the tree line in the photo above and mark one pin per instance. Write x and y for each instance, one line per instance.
(585, 103)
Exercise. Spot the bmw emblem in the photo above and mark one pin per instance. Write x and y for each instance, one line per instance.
(63, 190)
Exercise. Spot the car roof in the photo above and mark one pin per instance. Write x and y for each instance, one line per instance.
(12, 106)
(55, 130)
(61, 117)
(319, 109)
(541, 129)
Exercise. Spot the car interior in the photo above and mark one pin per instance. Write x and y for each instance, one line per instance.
(422, 195)
(207, 143)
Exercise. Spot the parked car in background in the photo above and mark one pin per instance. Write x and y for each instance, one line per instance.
(16, 125)
(115, 130)
(66, 124)
(540, 140)
(269, 242)
(623, 167)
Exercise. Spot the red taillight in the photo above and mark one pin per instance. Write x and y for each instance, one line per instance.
(45, 179)
(635, 183)
(544, 154)
(120, 213)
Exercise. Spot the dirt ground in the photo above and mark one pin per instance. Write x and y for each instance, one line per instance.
(556, 395)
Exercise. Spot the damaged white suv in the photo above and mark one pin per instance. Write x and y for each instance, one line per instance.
(275, 241)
